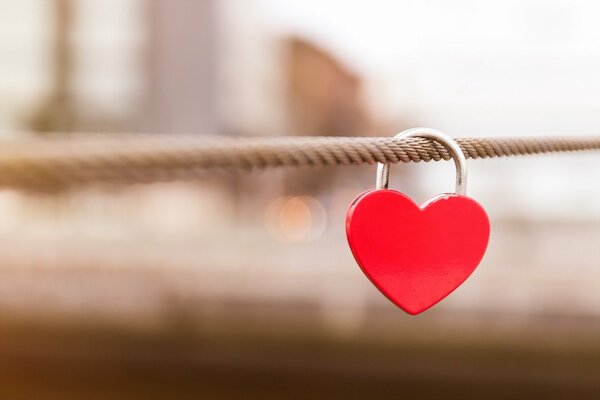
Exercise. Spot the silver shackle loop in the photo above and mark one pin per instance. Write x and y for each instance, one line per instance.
(383, 170)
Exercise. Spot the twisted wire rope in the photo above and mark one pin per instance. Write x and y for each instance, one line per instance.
(58, 161)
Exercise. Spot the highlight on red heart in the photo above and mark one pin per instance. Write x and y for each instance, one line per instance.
(416, 256)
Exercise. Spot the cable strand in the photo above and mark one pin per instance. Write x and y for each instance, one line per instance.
(136, 158)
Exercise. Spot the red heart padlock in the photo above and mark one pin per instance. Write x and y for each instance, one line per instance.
(415, 255)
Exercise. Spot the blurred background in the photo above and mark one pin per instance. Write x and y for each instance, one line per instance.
(242, 285)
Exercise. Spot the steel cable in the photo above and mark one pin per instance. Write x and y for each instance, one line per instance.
(59, 161)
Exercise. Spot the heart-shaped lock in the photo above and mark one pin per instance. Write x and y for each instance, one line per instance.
(415, 255)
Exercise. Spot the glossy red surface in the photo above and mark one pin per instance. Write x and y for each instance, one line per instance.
(415, 255)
